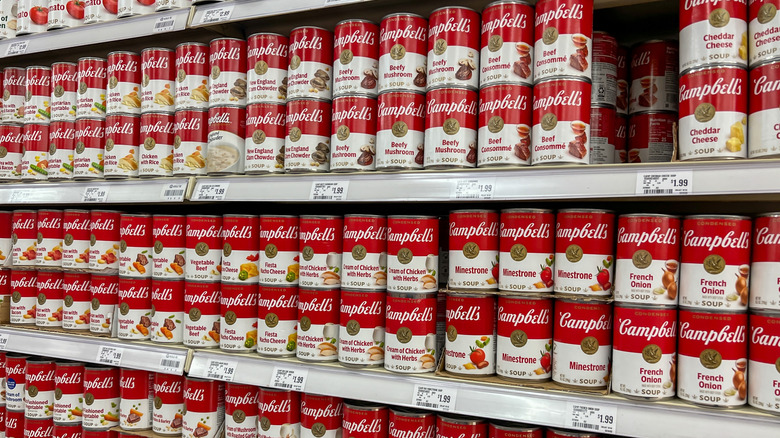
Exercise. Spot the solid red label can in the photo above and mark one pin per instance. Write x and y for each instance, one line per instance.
(563, 32)
(584, 239)
(227, 81)
(355, 57)
(507, 41)
(264, 139)
(307, 140)
(318, 325)
(524, 341)
(14, 423)
(654, 77)
(526, 241)
(651, 137)
(279, 251)
(67, 430)
(309, 73)
(364, 257)
(267, 68)
(451, 128)
(453, 48)
(320, 245)
(353, 134)
(561, 122)
(403, 51)
(411, 423)
(412, 253)
(582, 342)
(501, 430)
(473, 250)
(505, 120)
(124, 92)
(453, 427)
(201, 314)
(400, 132)
(470, 345)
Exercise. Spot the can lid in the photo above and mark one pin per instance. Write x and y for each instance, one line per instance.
(472, 210)
(164, 49)
(300, 28)
(526, 210)
(403, 14)
(75, 210)
(562, 78)
(122, 52)
(503, 425)
(770, 214)
(227, 39)
(136, 215)
(299, 99)
(410, 216)
(373, 216)
(40, 67)
(91, 58)
(712, 67)
(409, 412)
(49, 210)
(64, 63)
(240, 215)
(192, 43)
(363, 406)
(504, 2)
(257, 34)
(13, 68)
(363, 95)
(586, 210)
(661, 215)
(354, 20)
(401, 91)
(460, 419)
(450, 8)
(452, 87)
(319, 216)
(717, 216)
(277, 215)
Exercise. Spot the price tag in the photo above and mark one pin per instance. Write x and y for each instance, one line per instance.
(475, 188)
(211, 192)
(19, 196)
(434, 397)
(110, 355)
(164, 24)
(218, 369)
(95, 194)
(600, 419)
(173, 192)
(329, 191)
(17, 48)
(3, 341)
(664, 183)
(290, 379)
(216, 15)
(172, 363)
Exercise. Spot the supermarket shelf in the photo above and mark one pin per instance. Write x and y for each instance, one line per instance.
(757, 177)
(142, 355)
(96, 191)
(510, 403)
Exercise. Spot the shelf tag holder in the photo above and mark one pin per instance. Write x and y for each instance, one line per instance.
(110, 355)
(434, 397)
(601, 419)
(219, 369)
(291, 379)
(664, 183)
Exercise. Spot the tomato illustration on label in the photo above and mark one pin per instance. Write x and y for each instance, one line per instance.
(76, 9)
(111, 6)
(477, 355)
(39, 15)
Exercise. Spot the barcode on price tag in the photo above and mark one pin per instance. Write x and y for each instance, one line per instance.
(211, 192)
(293, 379)
(17, 48)
(95, 194)
(164, 24)
(434, 397)
(664, 183)
(110, 355)
(474, 188)
(3, 341)
(172, 363)
(219, 369)
(593, 418)
(173, 192)
(217, 14)
(329, 191)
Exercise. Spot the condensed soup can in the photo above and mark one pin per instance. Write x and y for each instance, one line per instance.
(320, 413)
(764, 352)
(190, 142)
(654, 82)
(264, 139)
(411, 343)
(453, 48)
(412, 253)
(156, 136)
(400, 131)
(651, 137)
(192, 72)
(267, 68)
(561, 122)
(124, 83)
(362, 328)
(763, 31)
(158, 81)
(584, 250)
(48, 310)
(473, 249)
(309, 74)
(364, 257)
(167, 311)
(92, 77)
(764, 278)
(505, 120)
(240, 248)
(355, 58)
(277, 321)
(307, 140)
(507, 41)
(318, 325)
(713, 33)
(62, 139)
(279, 251)
(201, 314)
(279, 413)
(120, 159)
(451, 128)
(353, 134)
(227, 81)
(225, 152)
(168, 404)
(238, 321)
(763, 129)
(403, 53)
(320, 246)
(524, 341)
(563, 39)
(582, 343)
(526, 241)
(470, 344)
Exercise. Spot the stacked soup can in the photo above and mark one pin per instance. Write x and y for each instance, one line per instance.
(34, 151)
(604, 92)
(202, 258)
(764, 94)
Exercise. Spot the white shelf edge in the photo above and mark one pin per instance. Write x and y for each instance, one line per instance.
(70, 192)
(251, 9)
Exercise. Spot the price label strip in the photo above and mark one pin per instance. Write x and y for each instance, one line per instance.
(329, 191)
(664, 183)
(173, 192)
(434, 397)
(17, 48)
(19, 196)
(110, 355)
(218, 369)
(3, 341)
(217, 15)
(164, 24)
(602, 419)
(172, 363)
(95, 194)
(211, 192)
(291, 379)
(474, 188)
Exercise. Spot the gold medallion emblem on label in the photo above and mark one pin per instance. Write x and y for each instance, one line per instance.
(305, 323)
(342, 133)
(318, 430)
(451, 126)
(230, 317)
(271, 250)
(549, 121)
(295, 62)
(404, 335)
(4, 151)
(16, 296)
(89, 398)
(258, 137)
(400, 129)
(113, 82)
(710, 359)
(405, 256)
(452, 333)
(194, 314)
(271, 320)
(265, 423)
(80, 147)
(704, 112)
(346, 57)
(158, 245)
(201, 248)
(122, 245)
(719, 17)
(518, 338)
(295, 134)
(59, 91)
(227, 249)
(652, 353)
(642, 259)
(149, 143)
(261, 67)
(307, 252)
(397, 52)
(239, 416)
(589, 345)
(440, 47)
(124, 308)
(766, 13)
(42, 299)
(353, 327)
(495, 42)
(95, 303)
(215, 72)
(359, 252)
(574, 253)
(550, 35)
(158, 403)
(181, 75)
(518, 252)
(470, 250)
(714, 264)
(495, 124)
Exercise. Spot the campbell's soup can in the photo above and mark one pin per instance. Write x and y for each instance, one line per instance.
(451, 128)
(279, 413)
(561, 122)
(62, 138)
(6, 243)
(15, 380)
(623, 85)
(355, 58)
(307, 140)
(11, 150)
(156, 150)
(76, 300)
(204, 247)
(101, 397)
(506, 42)
(318, 325)
(124, 93)
(68, 392)
(39, 388)
(654, 82)
(136, 392)
(24, 237)
(526, 241)
(582, 343)
(192, 73)
(403, 52)
(190, 142)
(411, 342)
(88, 152)
(411, 422)
(241, 409)
(365, 420)
(24, 297)
(453, 48)
(238, 317)
(32, 17)
(320, 245)
(104, 293)
(505, 120)
(412, 253)
(513, 430)
(473, 249)
(763, 129)
(38, 427)
(201, 314)
(584, 249)
(400, 130)
(602, 134)
(264, 139)
(14, 423)
(279, 251)
(715, 262)
(48, 310)
(362, 332)
(353, 133)
(647, 259)
(713, 33)
(8, 30)
(104, 226)
(309, 72)
(762, 366)
(48, 248)
(67, 430)
(644, 352)
(563, 33)
(320, 415)
(63, 14)
(37, 108)
(167, 312)
(240, 248)
(92, 77)
(158, 80)
(470, 344)
(13, 94)
(364, 257)
(712, 358)
(277, 321)
(135, 307)
(604, 71)
(764, 278)
(621, 140)
(204, 407)
(95, 11)
(524, 341)
(227, 79)
(763, 31)
(267, 68)
(226, 148)
(450, 426)
(120, 159)
(168, 404)
(35, 152)
(169, 246)
(651, 137)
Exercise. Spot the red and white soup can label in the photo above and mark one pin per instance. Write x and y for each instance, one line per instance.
(192, 72)
(712, 358)
(264, 139)
(563, 30)
(48, 248)
(24, 296)
(62, 138)
(122, 143)
(524, 341)
(37, 108)
(38, 427)
(48, 310)
(39, 388)
(168, 232)
(190, 142)
(14, 423)
(204, 408)
(104, 240)
(410, 340)
(449, 427)
(277, 320)
(584, 249)
(318, 325)
(68, 430)
(507, 41)
(35, 155)
(136, 391)
(604, 74)
(203, 252)
(400, 131)
(364, 258)
(412, 253)
(451, 128)
(763, 129)
(470, 344)
(168, 404)
(32, 17)
(307, 140)
(24, 237)
(648, 258)
(157, 84)
(227, 81)
(715, 262)
(505, 120)
(651, 137)
(240, 246)
(418, 424)
(362, 332)
(582, 343)
(156, 135)
(353, 133)
(654, 82)
(602, 135)
(14, 370)
(499, 430)
(474, 247)
(621, 126)
(713, 33)
(104, 290)
(64, 84)
(764, 278)
(355, 57)
(76, 300)
(763, 31)
(365, 421)
(623, 87)
(322, 411)
(101, 397)
(320, 246)
(135, 245)
(124, 91)
(762, 366)
(279, 251)
(238, 317)
(403, 53)
(267, 55)
(92, 77)
(88, 153)
(167, 311)
(11, 151)
(453, 48)
(644, 353)
(241, 404)
(6, 244)
(526, 250)
(97, 12)
(561, 122)
(13, 94)
(279, 414)
(201, 314)
(309, 72)
(135, 308)
(68, 392)
(64, 15)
